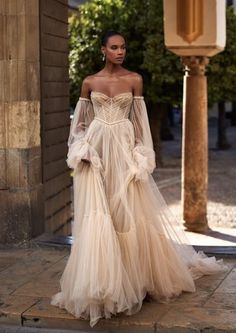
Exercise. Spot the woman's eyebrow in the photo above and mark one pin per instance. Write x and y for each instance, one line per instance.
(117, 45)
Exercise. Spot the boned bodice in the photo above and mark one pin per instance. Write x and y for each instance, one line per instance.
(111, 109)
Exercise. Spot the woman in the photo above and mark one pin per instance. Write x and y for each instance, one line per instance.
(127, 244)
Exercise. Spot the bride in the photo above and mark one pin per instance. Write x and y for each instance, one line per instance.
(127, 245)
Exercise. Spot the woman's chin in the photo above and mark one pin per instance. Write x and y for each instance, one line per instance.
(119, 62)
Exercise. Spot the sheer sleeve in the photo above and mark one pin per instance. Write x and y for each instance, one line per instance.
(83, 116)
(79, 147)
(143, 152)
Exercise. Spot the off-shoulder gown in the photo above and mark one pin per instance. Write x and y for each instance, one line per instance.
(126, 242)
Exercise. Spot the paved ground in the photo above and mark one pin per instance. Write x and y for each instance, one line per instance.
(28, 278)
(222, 178)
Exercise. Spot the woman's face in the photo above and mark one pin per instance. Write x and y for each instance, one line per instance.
(115, 49)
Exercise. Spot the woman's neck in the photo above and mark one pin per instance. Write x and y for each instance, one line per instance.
(112, 69)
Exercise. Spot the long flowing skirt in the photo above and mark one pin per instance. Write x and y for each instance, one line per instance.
(126, 241)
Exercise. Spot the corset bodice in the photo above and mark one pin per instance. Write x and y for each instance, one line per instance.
(111, 109)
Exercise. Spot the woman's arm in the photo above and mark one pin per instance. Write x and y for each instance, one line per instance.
(136, 117)
(137, 85)
(83, 116)
(85, 89)
(85, 92)
(143, 152)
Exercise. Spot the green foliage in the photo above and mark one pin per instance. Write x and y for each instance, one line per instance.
(222, 67)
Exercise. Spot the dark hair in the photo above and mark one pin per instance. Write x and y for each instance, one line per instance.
(109, 34)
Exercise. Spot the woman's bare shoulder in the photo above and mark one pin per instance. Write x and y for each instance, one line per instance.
(136, 76)
(87, 84)
(136, 81)
(89, 78)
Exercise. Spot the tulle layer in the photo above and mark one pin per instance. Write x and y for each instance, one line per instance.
(111, 268)
(144, 158)
(82, 149)
(110, 271)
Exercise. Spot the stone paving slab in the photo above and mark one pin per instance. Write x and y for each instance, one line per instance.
(27, 267)
(15, 329)
(228, 285)
(37, 288)
(50, 316)
(6, 262)
(199, 319)
(12, 307)
(222, 300)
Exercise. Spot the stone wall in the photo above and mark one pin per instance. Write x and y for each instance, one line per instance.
(34, 119)
(21, 194)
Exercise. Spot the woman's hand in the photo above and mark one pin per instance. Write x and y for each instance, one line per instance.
(86, 157)
(85, 160)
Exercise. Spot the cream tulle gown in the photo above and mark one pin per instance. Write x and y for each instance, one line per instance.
(126, 242)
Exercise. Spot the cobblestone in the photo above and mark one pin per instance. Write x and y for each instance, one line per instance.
(221, 178)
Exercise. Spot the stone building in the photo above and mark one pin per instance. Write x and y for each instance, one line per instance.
(34, 119)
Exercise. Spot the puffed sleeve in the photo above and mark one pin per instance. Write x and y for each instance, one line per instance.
(143, 152)
(79, 147)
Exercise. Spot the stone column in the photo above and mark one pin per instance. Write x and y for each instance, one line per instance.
(195, 145)
(21, 195)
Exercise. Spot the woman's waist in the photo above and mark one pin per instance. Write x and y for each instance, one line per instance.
(111, 122)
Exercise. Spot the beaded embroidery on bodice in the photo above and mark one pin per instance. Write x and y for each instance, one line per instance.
(111, 109)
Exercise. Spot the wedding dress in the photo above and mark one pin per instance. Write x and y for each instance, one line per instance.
(126, 242)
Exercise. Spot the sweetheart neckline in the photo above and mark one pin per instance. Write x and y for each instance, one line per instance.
(124, 93)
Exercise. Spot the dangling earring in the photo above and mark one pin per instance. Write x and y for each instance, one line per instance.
(103, 57)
